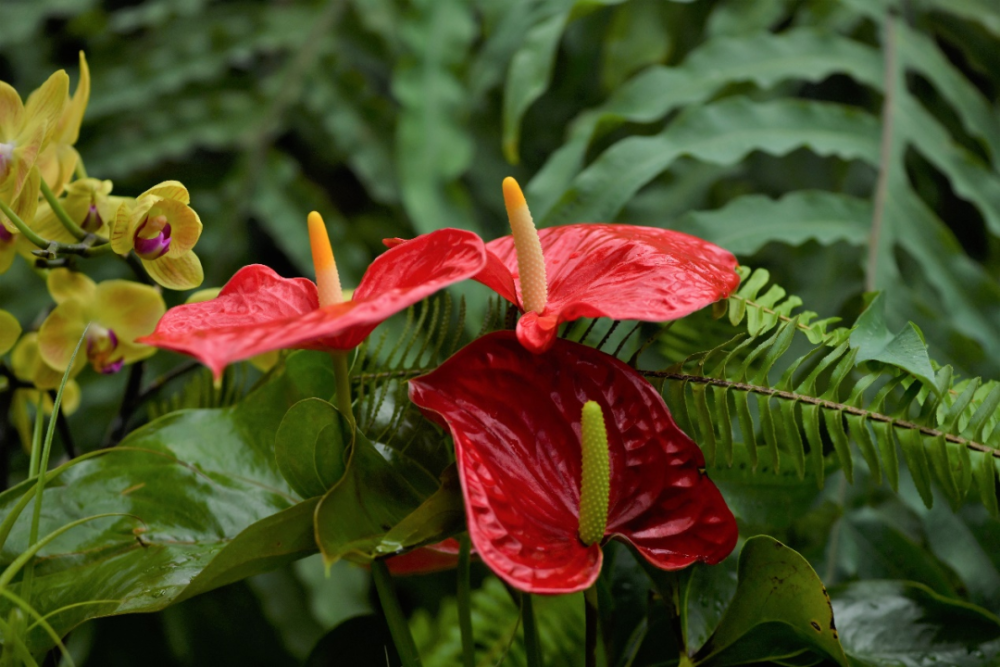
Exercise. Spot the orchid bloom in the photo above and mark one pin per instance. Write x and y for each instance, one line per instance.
(624, 272)
(88, 203)
(162, 229)
(24, 206)
(58, 161)
(536, 514)
(31, 369)
(258, 310)
(117, 312)
(25, 132)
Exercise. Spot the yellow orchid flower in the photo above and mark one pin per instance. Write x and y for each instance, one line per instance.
(118, 312)
(59, 159)
(24, 206)
(26, 130)
(29, 367)
(89, 204)
(162, 229)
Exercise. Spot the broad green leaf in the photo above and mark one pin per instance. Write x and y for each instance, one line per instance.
(706, 592)
(983, 11)
(440, 516)
(747, 224)
(780, 610)
(200, 482)
(380, 489)
(311, 446)
(885, 543)
(723, 132)
(637, 36)
(905, 350)
(902, 624)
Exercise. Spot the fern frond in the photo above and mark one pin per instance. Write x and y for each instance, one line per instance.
(823, 401)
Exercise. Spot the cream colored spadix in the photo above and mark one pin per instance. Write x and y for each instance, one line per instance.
(595, 483)
(327, 278)
(530, 262)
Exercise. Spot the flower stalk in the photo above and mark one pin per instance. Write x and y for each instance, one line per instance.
(67, 222)
(398, 626)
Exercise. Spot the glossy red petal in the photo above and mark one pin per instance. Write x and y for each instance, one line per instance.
(258, 311)
(622, 272)
(426, 560)
(407, 273)
(515, 419)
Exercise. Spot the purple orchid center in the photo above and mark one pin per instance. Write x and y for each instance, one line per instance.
(5, 235)
(152, 238)
(101, 345)
(93, 221)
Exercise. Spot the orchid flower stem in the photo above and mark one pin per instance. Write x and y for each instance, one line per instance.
(532, 649)
(81, 171)
(60, 212)
(398, 626)
(593, 625)
(22, 227)
(342, 374)
(465, 603)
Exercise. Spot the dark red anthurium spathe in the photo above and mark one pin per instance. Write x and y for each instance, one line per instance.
(623, 272)
(258, 310)
(515, 418)
(426, 560)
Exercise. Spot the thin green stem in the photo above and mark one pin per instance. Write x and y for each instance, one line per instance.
(26, 231)
(81, 171)
(60, 212)
(532, 648)
(398, 626)
(592, 625)
(342, 374)
(36, 437)
(465, 603)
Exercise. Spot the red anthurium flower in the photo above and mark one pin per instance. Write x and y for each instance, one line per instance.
(258, 311)
(623, 272)
(426, 560)
(516, 420)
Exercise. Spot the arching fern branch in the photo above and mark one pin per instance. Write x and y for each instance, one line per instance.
(823, 401)
(433, 330)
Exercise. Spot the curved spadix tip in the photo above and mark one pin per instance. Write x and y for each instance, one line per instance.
(327, 280)
(513, 198)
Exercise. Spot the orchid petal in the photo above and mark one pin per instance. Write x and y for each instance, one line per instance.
(45, 104)
(176, 273)
(59, 334)
(172, 190)
(29, 366)
(10, 331)
(129, 309)
(515, 418)
(64, 284)
(11, 112)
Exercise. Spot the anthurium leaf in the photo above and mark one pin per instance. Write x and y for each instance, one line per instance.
(905, 349)
(199, 481)
(440, 516)
(780, 611)
(706, 591)
(311, 446)
(904, 624)
(379, 490)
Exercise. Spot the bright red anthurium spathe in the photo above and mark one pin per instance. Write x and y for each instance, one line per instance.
(258, 310)
(516, 419)
(623, 272)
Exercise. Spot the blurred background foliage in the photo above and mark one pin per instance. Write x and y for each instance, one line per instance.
(784, 130)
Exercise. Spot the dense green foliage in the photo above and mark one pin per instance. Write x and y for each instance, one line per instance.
(838, 147)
